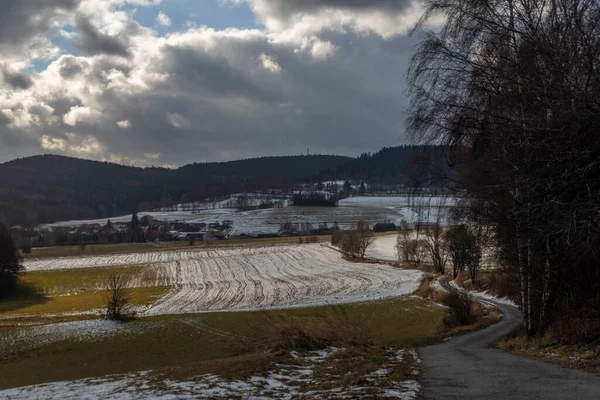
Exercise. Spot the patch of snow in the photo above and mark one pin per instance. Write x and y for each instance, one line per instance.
(485, 295)
(37, 336)
(501, 300)
(384, 248)
(286, 383)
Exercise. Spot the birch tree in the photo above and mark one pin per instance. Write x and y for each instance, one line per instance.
(513, 87)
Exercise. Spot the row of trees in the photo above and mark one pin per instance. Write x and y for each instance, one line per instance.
(513, 88)
(461, 247)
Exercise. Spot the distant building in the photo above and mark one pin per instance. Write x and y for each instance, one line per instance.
(425, 225)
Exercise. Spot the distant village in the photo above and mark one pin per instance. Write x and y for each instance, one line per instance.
(150, 229)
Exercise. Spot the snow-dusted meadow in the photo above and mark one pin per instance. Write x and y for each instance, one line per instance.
(384, 248)
(253, 277)
(349, 212)
(297, 381)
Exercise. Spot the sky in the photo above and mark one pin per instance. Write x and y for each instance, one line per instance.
(169, 82)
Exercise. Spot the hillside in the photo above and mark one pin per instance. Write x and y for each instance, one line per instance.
(49, 188)
(406, 165)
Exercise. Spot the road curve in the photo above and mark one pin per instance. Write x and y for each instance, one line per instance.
(466, 367)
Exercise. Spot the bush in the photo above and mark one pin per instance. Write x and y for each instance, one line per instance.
(117, 298)
(577, 327)
(336, 328)
(505, 285)
(26, 248)
(460, 309)
(337, 237)
(384, 227)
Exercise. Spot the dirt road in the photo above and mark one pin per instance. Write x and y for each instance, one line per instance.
(467, 368)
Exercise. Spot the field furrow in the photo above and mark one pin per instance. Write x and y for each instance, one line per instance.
(249, 278)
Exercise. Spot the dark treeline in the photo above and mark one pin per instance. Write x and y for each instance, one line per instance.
(404, 165)
(51, 188)
(514, 88)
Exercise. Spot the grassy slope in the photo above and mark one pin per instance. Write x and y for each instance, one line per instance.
(196, 341)
(75, 291)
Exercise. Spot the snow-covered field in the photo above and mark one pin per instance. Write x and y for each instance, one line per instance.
(349, 212)
(287, 382)
(384, 248)
(254, 277)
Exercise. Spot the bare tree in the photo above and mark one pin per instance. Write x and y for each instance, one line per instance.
(410, 244)
(365, 238)
(434, 238)
(117, 297)
(403, 242)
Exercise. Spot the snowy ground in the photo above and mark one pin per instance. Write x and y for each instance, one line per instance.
(297, 380)
(384, 248)
(349, 212)
(254, 277)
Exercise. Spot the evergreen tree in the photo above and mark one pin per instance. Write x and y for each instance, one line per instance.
(362, 189)
(347, 187)
(10, 263)
(135, 222)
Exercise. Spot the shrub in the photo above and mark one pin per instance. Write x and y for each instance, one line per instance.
(384, 227)
(117, 298)
(577, 327)
(336, 328)
(460, 309)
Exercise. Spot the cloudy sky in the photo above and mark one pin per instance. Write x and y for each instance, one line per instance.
(168, 82)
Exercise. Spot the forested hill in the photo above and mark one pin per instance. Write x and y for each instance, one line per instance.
(50, 188)
(407, 165)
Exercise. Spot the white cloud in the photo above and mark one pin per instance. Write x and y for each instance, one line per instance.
(50, 143)
(74, 144)
(79, 114)
(152, 156)
(269, 63)
(163, 19)
(178, 121)
(125, 124)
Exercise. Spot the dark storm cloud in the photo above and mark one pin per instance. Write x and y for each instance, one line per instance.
(195, 71)
(287, 7)
(4, 120)
(92, 41)
(207, 94)
(69, 67)
(21, 20)
(17, 80)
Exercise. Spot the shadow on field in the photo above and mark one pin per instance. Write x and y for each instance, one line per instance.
(25, 295)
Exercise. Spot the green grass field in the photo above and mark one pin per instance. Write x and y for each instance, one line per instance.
(196, 343)
(75, 291)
